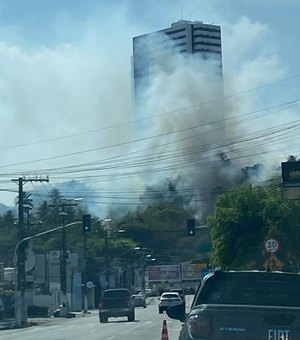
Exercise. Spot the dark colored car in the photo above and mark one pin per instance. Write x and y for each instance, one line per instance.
(139, 300)
(189, 291)
(150, 292)
(243, 305)
(115, 303)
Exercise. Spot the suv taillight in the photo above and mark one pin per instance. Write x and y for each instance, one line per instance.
(199, 326)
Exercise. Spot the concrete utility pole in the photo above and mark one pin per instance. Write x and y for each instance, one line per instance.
(107, 232)
(63, 257)
(20, 280)
(106, 261)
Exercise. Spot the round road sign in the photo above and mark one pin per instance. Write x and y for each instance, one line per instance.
(271, 245)
(90, 284)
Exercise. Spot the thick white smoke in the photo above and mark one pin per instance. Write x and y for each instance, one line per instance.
(49, 91)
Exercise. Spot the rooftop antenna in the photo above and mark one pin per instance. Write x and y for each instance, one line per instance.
(181, 12)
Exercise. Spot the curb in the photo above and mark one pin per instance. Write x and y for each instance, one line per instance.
(43, 321)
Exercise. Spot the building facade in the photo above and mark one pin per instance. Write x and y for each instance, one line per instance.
(188, 37)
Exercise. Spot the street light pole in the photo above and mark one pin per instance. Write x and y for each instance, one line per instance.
(20, 310)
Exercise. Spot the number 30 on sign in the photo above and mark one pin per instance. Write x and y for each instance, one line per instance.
(271, 245)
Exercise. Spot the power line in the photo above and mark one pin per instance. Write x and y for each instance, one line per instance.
(153, 116)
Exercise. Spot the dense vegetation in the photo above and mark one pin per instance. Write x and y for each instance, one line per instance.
(244, 217)
(159, 230)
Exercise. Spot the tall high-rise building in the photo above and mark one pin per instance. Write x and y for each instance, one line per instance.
(192, 37)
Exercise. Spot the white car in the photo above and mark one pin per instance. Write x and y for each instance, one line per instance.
(167, 300)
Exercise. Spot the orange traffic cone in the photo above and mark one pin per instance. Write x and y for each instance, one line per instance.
(164, 332)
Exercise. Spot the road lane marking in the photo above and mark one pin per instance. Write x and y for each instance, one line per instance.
(130, 329)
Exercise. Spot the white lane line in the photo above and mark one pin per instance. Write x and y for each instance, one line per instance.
(130, 329)
(93, 331)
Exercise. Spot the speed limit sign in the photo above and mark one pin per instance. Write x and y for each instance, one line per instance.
(271, 245)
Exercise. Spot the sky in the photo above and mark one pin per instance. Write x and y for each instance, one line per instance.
(66, 96)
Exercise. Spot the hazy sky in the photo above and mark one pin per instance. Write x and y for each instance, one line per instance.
(65, 84)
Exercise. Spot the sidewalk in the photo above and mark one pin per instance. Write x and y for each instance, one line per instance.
(10, 323)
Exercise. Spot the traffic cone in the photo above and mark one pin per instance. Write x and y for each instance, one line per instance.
(164, 332)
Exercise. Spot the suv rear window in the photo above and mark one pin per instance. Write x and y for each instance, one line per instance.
(116, 293)
(179, 291)
(170, 296)
(252, 289)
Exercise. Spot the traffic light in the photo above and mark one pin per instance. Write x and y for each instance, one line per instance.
(191, 224)
(86, 223)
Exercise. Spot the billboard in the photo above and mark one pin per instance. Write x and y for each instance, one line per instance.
(291, 173)
(193, 271)
(167, 273)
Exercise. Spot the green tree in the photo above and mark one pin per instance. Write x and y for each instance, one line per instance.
(8, 236)
(161, 227)
(245, 216)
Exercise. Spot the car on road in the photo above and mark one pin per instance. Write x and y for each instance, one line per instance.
(180, 292)
(243, 305)
(139, 300)
(115, 303)
(150, 292)
(189, 291)
(168, 299)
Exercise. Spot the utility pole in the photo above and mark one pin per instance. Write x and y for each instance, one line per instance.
(107, 232)
(63, 264)
(63, 257)
(85, 302)
(20, 280)
(106, 261)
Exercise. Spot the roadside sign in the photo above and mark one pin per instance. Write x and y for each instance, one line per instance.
(90, 284)
(170, 273)
(291, 173)
(192, 271)
(271, 245)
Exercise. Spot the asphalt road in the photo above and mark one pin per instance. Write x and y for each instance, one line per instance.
(147, 326)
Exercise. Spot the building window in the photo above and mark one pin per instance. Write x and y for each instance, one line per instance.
(174, 31)
(180, 44)
(207, 29)
(179, 37)
(206, 43)
(207, 36)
